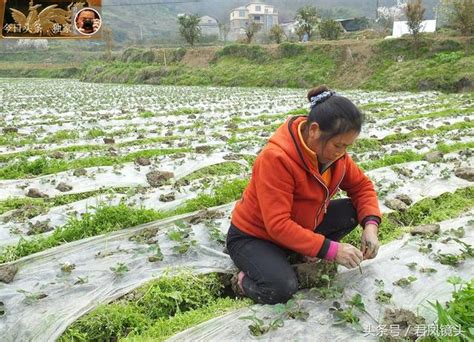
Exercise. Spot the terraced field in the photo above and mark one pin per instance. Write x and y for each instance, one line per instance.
(106, 187)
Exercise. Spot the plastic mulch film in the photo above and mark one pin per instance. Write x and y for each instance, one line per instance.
(389, 266)
(68, 297)
(27, 319)
(131, 175)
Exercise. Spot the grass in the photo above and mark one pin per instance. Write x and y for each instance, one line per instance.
(438, 114)
(112, 218)
(43, 166)
(457, 312)
(401, 137)
(435, 66)
(409, 156)
(221, 169)
(26, 203)
(157, 310)
(426, 211)
(4, 158)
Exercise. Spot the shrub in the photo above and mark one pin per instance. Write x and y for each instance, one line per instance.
(250, 52)
(329, 29)
(288, 50)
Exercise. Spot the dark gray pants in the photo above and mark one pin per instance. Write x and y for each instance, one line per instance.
(269, 277)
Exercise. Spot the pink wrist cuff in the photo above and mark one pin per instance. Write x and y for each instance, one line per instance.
(332, 251)
(372, 222)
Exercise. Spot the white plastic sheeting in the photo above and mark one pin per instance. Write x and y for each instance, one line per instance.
(401, 27)
(389, 266)
(46, 319)
(130, 175)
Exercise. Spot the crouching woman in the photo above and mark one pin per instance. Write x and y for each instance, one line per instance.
(287, 205)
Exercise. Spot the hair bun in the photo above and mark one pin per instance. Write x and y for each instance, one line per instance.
(316, 91)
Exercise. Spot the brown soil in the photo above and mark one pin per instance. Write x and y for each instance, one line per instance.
(405, 321)
(199, 57)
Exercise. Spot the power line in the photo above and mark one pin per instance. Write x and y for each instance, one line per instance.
(154, 3)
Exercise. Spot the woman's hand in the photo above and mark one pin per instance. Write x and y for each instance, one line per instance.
(370, 242)
(349, 256)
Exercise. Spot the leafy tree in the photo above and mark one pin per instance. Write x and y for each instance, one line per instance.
(329, 29)
(461, 15)
(251, 29)
(300, 32)
(189, 28)
(307, 18)
(277, 34)
(414, 12)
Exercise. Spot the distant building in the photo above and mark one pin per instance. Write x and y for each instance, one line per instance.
(353, 24)
(209, 26)
(240, 17)
(289, 28)
(401, 27)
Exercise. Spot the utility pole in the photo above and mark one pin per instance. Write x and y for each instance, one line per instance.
(377, 10)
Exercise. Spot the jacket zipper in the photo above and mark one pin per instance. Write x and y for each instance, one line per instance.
(328, 195)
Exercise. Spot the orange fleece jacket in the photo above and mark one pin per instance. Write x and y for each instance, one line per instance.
(287, 199)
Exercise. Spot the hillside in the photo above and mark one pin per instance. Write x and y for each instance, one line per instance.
(439, 64)
(157, 22)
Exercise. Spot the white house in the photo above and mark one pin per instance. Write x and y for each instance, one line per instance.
(401, 27)
(209, 26)
(289, 28)
(259, 12)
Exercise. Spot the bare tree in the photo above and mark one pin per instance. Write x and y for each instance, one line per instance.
(461, 16)
(414, 12)
(251, 29)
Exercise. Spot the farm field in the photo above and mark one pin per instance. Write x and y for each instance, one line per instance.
(105, 187)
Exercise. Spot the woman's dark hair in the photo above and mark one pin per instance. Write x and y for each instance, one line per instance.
(334, 114)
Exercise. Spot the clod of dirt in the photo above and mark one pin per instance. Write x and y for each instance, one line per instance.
(309, 274)
(231, 125)
(434, 157)
(168, 197)
(405, 320)
(143, 161)
(79, 172)
(203, 149)
(35, 193)
(404, 171)
(2, 309)
(425, 229)
(232, 156)
(39, 227)
(109, 141)
(179, 155)
(466, 173)
(396, 204)
(63, 187)
(10, 130)
(223, 138)
(158, 178)
(57, 155)
(404, 198)
(7, 273)
(205, 215)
